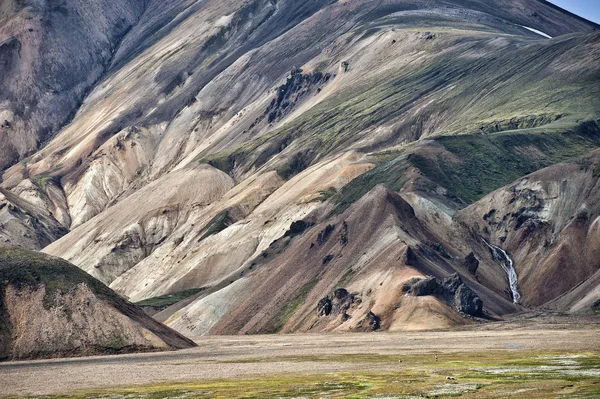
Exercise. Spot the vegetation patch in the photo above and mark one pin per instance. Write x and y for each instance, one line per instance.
(391, 173)
(488, 162)
(164, 301)
(291, 306)
(217, 224)
(411, 376)
(22, 268)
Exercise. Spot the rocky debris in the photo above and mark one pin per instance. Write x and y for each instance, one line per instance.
(5, 125)
(338, 304)
(373, 320)
(297, 86)
(324, 234)
(471, 263)
(452, 290)
(467, 302)
(344, 234)
(426, 287)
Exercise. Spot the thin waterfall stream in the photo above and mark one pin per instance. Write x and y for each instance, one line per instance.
(506, 262)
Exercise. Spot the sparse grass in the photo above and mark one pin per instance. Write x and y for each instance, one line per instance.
(164, 301)
(391, 173)
(291, 306)
(326, 194)
(26, 268)
(41, 181)
(489, 374)
(217, 224)
(488, 162)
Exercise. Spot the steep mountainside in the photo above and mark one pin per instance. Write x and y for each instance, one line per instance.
(218, 141)
(50, 308)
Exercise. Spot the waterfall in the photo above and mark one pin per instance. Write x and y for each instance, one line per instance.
(506, 262)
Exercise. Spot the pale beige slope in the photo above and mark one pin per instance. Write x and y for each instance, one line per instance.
(25, 220)
(110, 173)
(263, 207)
(113, 242)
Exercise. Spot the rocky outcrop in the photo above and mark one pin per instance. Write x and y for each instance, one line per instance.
(337, 304)
(471, 263)
(297, 86)
(371, 322)
(452, 290)
(50, 308)
(426, 286)
(467, 302)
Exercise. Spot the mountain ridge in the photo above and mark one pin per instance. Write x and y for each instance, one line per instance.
(216, 127)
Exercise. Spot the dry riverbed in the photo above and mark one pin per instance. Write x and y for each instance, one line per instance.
(538, 358)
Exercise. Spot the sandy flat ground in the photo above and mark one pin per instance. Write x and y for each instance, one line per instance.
(237, 356)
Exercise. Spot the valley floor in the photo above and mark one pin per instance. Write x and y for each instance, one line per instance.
(526, 356)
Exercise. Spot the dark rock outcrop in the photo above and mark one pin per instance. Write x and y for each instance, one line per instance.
(338, 304)
(296, 228)
(373, 321)
(324, 306)
(452, 283)
(467, 302)
(471, 263)
(452, 290)
(427, 286)
(324, 234)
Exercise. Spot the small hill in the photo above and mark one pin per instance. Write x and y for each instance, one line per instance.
(50, 308)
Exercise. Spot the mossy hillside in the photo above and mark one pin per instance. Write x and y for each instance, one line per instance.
(30, 270)
(528, 96)
(477, 164)
(22, 268)
(488, 162)
(164, 301)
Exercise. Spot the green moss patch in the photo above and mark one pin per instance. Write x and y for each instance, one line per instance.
(164, 301)
(22, 268)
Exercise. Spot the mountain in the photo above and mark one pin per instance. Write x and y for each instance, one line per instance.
(50, 308)
(252, 158)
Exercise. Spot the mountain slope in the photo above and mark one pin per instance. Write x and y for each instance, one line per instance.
(51, 54)
(50, 308)
(215, 125)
